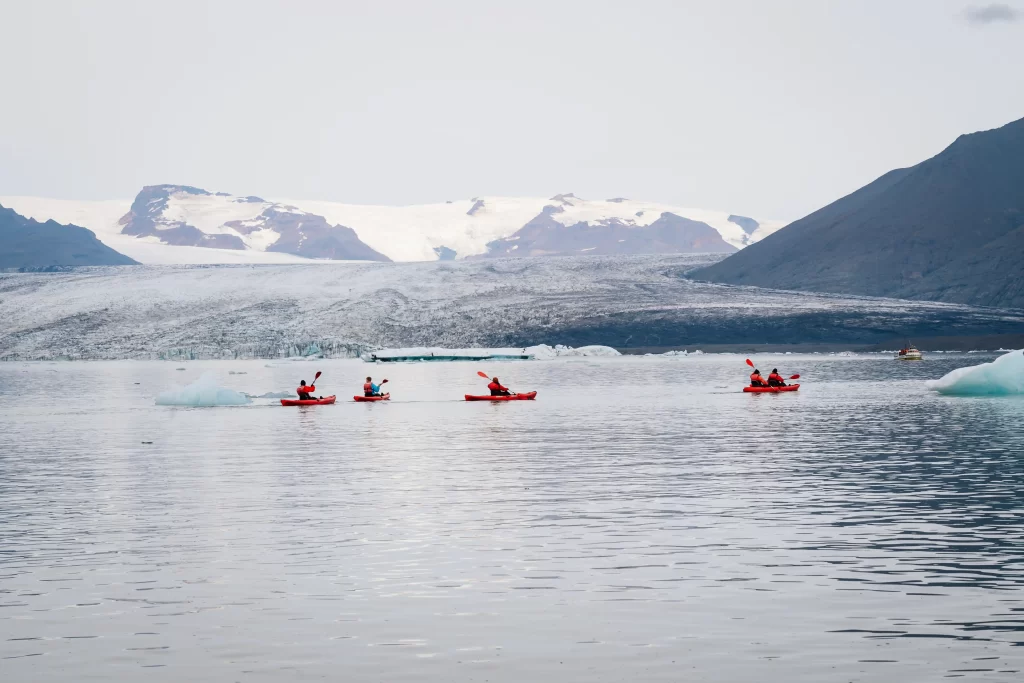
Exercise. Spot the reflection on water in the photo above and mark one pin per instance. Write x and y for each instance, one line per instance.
(642, 520)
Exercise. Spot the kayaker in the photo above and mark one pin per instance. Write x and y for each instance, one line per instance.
(304, 391)
(370, 389)
(756, 380)
(775, 379)
(497, 389)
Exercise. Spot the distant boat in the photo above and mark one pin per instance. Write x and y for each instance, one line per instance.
(909, 353)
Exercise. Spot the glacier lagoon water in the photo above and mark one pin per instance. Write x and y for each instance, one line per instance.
(642, 520)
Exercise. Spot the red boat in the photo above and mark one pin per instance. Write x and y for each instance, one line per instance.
(514, 397)
(770, 390)
(368, 399)
(325, 401)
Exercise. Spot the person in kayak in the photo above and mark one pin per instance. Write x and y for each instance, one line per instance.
(370, 389)
(305, 391)
(497, 389)
(775, 379)
(756, 380)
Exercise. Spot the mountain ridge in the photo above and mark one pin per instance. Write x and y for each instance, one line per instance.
(27, 244)
(950, 228)
(182, 224)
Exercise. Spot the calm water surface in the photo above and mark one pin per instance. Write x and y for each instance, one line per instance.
(642, 520)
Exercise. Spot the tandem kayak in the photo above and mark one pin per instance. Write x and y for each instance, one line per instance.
(367, 399)
(514, 397)
(325, 401)
(770, 390)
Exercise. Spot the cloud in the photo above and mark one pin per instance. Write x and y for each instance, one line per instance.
(982, 15)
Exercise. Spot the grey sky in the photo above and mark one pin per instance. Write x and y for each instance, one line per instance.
(990, 14)
(768, 108)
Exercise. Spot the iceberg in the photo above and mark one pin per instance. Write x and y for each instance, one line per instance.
(1002, 377)
(434, 353)
(545, 352)
(274, 394)
(204, 392)
(437, 353)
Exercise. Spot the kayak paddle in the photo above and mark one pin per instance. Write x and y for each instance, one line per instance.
(794, 376)
(750, 362)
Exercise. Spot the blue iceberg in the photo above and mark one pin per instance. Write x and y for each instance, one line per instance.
(1002, 377)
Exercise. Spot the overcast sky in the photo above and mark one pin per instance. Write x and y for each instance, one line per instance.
(768, 108)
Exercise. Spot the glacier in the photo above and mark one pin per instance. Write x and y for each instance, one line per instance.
(639, 303)
(1002, 377)
(204, 392)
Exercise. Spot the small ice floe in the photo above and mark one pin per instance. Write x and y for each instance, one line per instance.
(539, 352)
(543, 351)
(204, 392)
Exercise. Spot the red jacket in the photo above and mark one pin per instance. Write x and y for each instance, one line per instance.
(308, 389)
(494, 386)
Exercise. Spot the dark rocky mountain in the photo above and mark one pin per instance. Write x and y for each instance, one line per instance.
(948, 229)
(26, 244)
(189, 216)
(669, 234)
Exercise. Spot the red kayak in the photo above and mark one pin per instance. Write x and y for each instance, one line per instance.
(770, 390)
(514, 397)
(367, 399)
(325, 401)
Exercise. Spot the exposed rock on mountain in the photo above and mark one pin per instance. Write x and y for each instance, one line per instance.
(948, 229)
(26, 244)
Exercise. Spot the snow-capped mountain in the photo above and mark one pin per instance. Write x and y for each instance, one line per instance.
(172, 224)
(532, 226)
(189, 217)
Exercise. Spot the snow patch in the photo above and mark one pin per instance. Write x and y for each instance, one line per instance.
(1002, 377)
(204, 392)
(209, 212)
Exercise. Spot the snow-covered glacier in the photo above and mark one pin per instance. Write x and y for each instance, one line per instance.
(345, 309)
(179, 224)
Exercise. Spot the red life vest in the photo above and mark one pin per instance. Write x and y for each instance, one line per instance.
(368, 388)
(494, 386)
(756, 379)
(308, 389)
(775, 377)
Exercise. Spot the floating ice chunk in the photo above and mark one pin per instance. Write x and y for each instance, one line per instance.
(437, 353)
(1002, 377)
(201, 393)
(274, 394)
(544, 352)
(541, 352)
